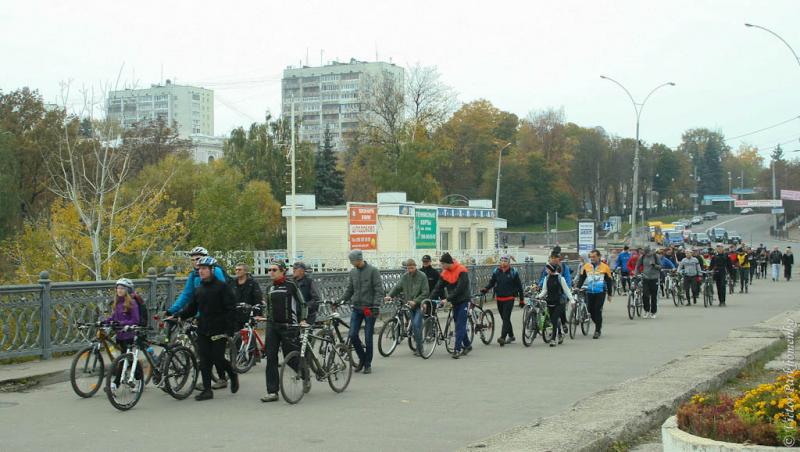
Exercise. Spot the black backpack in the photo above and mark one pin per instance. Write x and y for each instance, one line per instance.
(144, 314)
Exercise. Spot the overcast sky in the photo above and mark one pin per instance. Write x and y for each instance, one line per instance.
(522, 56)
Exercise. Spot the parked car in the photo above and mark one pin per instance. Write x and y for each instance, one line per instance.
(716, 234)
(732, 238)
(673, 238)
(746, 211)
(700, 239)
(697, 220)
(710, 216)
(685, 222)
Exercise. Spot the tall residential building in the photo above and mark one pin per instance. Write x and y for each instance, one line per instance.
(330, 95)
(190, 107)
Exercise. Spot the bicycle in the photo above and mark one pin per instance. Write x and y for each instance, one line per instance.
(432, 333)
(579, 315)
(481, 320)
(247, 347)
(535, 320)
(635, 302)
(708, 288)
(88, 365)
(174, 371)
(675, 289)
(732, 281)
(333, 363)
(396, 330)
(184, 332)
(617, 281)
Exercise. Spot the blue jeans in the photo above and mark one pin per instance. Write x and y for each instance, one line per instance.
(356, 318)
(416, 326)
(460, 317)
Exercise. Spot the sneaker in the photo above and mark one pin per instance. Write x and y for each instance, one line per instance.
(456, 355)
(270, 398)
(510, 340)
(560, 339)
(416, 353)
(553, 343)
(367, 370)
(652, 316)
(466, 350)
(205, 395)
(199, 386)
(359, 367)
(596, 335)
(501, 341)
(234, 383)
(220, 384)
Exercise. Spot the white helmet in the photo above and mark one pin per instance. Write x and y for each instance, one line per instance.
(126, 283)
(198, 250)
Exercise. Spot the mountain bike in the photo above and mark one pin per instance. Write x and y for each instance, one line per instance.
(535, 320)
(674, 287)
(732, 281)
(174, 371)
(247, 347)
(481, 320)
(708, 288)
(617, 281)
(635, 303)
(396, 329)
(579, 315)
(432, 332)
(88, 366)
(332, 363)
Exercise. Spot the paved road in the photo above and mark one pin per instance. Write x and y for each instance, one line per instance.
(753, 229)
(407, 403)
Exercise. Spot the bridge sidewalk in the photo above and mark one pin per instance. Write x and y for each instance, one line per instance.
(49, 371)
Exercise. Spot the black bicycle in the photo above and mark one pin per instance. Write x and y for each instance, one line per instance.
(396, 329)
(481, 319)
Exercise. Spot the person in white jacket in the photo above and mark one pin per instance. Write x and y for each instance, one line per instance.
(552, 290)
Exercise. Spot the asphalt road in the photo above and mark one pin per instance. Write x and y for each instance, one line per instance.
(754, 229)
(407, 403)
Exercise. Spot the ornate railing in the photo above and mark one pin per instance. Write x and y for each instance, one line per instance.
(39, 319)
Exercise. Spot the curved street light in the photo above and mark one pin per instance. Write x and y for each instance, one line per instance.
(637, 108)
(497, 190)
(777, 36)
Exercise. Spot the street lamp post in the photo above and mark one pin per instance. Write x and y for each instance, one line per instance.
(730, 193)
(497, 190)
(637, 107)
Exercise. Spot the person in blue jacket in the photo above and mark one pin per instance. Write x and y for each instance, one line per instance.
(193, 282)
(621, 264)
(666, 265)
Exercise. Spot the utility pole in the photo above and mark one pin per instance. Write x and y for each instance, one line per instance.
(293, 249)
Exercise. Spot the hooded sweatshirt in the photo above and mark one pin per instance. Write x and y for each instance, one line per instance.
(456, 281)
(124, 318)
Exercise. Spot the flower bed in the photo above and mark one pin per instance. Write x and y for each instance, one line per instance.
(766, 415)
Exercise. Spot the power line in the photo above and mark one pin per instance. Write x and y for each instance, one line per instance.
(764, 129)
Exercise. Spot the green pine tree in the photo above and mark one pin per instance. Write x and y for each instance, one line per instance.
(329, 187)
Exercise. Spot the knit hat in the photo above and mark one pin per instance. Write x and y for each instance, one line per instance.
(446, 258)
(355, 255)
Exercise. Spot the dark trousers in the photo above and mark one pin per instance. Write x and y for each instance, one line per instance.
(556, 312)
(752, 272)
(744, 277)
(364, 351)
(212, 353)
(690, 283)
(460, 315)
(594, 302)
(276, 336)
(650, 295)
(626, 281)
(719, 280)
(787, 272)
(505, 308)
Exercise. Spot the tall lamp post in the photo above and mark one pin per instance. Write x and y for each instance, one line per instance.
(497, 190)
(637, 107)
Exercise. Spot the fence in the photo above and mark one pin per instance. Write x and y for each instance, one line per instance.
(39, 319)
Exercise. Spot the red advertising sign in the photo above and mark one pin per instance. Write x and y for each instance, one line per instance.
(363, 226)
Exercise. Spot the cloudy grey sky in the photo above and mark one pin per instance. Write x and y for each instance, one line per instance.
(522, 56)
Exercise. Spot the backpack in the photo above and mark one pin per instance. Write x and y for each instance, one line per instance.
(144, 314)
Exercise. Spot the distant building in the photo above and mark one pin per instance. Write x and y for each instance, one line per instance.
(329, 96)
(206, 149)
(190, 107)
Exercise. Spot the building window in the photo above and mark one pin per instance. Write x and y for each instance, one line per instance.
(444, 240)
(463, 239)
(481, 239)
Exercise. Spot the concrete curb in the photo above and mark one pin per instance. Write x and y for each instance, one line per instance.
(624, 412)
(676, 440)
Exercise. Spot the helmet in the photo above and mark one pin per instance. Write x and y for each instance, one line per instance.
(198, 250)
(208, 261)
(126, 283)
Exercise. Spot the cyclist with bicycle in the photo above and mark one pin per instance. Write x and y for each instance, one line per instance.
(308, 288)
(413, 286)
(431, 273)
(667, 264)
(507, 285)
(595, 277)
(246, 291)
(285, 309)
(649, 266)
(691, 270)
(721, 265)
(124, 312)
(455, 279)
(215, 303)
(554, 290)
(555, 259)
(744, 268)
(365, 291)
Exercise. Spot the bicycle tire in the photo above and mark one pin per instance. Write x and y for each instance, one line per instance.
(585, 320)
(123, 388)
(631, 305)
(390, 332)
(292, 380)
(530, 325)
(339, 380)
(674, 295)
(487, 326)
(449, 335)
(244, 358)
(547, 327)
(470, 329)
(90, 361)
(573, 322)
(180, 372)
(639, 305)
(430, 337)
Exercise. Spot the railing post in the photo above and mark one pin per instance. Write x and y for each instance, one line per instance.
(473, 277)
(152, 291)
(171, 290)
(44, 310)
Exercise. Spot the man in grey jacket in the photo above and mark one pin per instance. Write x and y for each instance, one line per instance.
(364, 292)
(649, 266)
(690, 268)
(413, 285)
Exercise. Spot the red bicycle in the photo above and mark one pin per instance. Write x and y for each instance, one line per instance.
(247, 348)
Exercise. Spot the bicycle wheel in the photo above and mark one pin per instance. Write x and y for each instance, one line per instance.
(449, 335)
(470, 328)
(126, 394)
(179, 372)
(706, 296)
(389, 337)
(573, 322)
(585, 320)
(530, 325)
(292, 372)
(674, 294)
(430, 335)
(547, 327)
(244, 356)
(631, 305)
(338, 368)
(639, 305)
(87, 371)
(486, 326)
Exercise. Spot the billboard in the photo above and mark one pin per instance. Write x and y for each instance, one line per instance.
(718, 198)
(758, 203)
(425, 228)
(362, 222)
(791, 195)
(586, 236)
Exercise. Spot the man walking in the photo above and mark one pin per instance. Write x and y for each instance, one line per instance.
(413, 286)
(621, 265)
(455, 278)
(596, 277)
(507, 286)
(365, 292)
(775, 260)
(788, 261)
(308, 288)
(722, 267)
(649, 266)
(430, 273)
(690, 268)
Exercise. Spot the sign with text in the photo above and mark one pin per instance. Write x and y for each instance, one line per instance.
(758, 203)
(363, 226)
(425, 228)
(791, 195)
(586, 236)
(718, 198)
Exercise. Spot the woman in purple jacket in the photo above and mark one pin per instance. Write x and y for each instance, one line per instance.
(124, 312)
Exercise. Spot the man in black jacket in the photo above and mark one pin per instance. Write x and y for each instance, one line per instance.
(455, 278)
(308, 289)
(246, 289)
(775, 260)
(507, 286)
(431, 273)
(722, 267)
(214, 301)
(788, 261)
